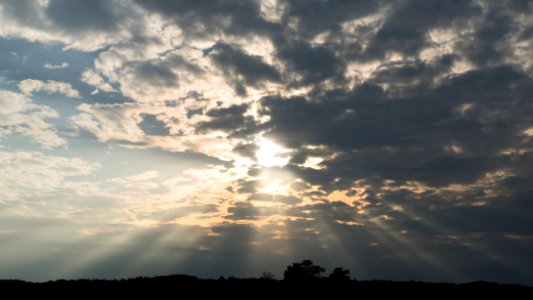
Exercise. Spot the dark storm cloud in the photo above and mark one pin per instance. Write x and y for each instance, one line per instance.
(246, 150)
(418, 74)
(25, 11)
(233, 121)
(208, 16)
(497, 26)
(406, 28)
(315, 64)
(252, 68)
(408, 137)
(156, 74)
(242, 69)
(68, 16)
(247, 211)
(79, 15)
(328, 211)
(227, 119)
(161, 72)
(317, 16)
(243, 211)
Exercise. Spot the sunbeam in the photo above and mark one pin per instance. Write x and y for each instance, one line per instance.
(147, 137)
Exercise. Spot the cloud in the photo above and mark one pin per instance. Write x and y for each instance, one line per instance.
(405, 28)
(20, 115)
(412, 127)
(231, 120)
(29, 86)
(214, 18)
(243, 211)
(235, 63)
(82, 16)
(161, 74)
(50, 66)
(141, 181)
(314, 64)
(156, 74)
(121, 124)
(144, 176)
(94, 79)
(111, 121)
(68, 22)
(315, 16)
(403, 126)
(30, 174)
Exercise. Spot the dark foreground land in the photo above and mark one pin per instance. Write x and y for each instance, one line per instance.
(181, 285)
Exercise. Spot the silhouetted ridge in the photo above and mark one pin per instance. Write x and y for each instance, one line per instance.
(299, 278)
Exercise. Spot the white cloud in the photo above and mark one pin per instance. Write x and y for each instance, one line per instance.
(120, 122)
(29, 86)
(272, 10)
(26, 174)
(94, 79)
(186, 70)
(60, 66)
(111, 121)
(18, 114)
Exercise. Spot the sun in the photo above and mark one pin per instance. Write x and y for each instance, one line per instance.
(271, 154)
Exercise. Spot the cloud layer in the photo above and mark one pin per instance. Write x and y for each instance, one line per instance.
(388, 133)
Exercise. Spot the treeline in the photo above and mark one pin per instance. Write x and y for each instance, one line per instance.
(304, 278)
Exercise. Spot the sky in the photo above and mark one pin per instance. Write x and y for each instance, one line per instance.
(142, 138)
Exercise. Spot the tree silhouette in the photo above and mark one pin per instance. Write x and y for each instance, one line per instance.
(267, 276)
(306, 270)
(340, 274)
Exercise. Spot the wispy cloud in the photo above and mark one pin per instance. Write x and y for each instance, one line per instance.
(50, 66)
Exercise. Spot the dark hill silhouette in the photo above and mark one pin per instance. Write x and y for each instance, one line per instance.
(300, 279)
(182, 285)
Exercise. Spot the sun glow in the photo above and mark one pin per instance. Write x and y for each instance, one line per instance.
(271, 154)
(275, 187)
